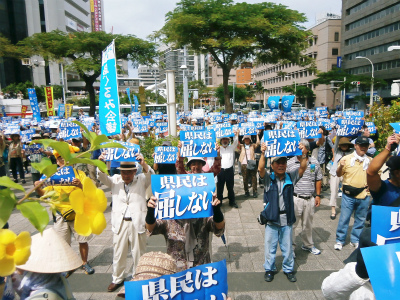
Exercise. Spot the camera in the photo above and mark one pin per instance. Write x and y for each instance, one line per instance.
(393, 147)
(262, 220)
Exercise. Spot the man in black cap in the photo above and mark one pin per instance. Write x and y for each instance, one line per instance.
(388, 191)
(355, 197)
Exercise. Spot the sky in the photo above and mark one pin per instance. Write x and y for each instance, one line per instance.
(142, 17)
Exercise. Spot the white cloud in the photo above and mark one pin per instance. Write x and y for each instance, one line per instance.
(143, 17)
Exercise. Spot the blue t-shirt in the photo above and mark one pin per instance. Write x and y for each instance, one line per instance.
(386, 194)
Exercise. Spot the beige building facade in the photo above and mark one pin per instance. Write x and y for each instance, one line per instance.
(324, 49)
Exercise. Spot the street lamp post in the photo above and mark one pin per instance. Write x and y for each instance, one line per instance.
(185, 83)
(343, 95)
(371, 96)
(295, 86)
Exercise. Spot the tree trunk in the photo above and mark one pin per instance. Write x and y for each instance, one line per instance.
(227, 94)
(89, 81)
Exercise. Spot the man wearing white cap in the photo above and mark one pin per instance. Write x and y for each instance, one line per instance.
(279, 211)
(128, 215)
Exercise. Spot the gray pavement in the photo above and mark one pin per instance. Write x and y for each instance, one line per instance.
(244, 253)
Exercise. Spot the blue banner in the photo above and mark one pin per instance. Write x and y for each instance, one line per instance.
(205, 282)
(165, 155)
(288, 125)
(326, 123)
(273, 102)
(61, 110)
(34, 104)
(119, 154)
(185, 127)
(350, 113)
(69, 130)
(109, 99)
(383, 266)
(371, 127)
(223, 131)
(385, 225)
(183, 196)
(247, 129)
(308, 129)
(161, 127)
(33, 149)
(322, 112)
(287, 102)
(64, 176)
(198, 128)
(215, 117)
(140, 126)
(258, 122)
(3, 109)
(198, 144)
(349, 127)
(26, 135)
(128, 92)
(12, 129)
(283, 142)
(157, 115)
(135, 100)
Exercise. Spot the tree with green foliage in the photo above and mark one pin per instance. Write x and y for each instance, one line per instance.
(82, 52)
(241, 94)
(14, 88)
(7, 49)
(237, 32)
(303, 93)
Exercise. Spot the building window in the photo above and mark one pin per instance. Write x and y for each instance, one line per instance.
(335, 51)
(336, 36)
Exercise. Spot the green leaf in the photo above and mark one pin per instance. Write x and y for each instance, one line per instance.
(35, 213)
(7, 204)
(89, 137)
(100, 139)
(62, 148)
(98, 163)
(49, 170)
(44, 142)
(110, 145)
(44, 163)
(7, 182)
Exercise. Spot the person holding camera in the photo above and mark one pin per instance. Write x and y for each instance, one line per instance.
(278, 214)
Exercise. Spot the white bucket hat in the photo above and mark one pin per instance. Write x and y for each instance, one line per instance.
(51, 254)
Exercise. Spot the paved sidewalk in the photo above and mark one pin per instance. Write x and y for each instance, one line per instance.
(244, 253)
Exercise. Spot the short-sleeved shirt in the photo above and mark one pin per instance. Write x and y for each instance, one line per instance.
(294, 175)
(306, 185)
(355, 176)
(174, 233)
(389, 191)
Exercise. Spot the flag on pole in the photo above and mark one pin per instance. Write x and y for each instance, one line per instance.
(34, 104)
(48, 91)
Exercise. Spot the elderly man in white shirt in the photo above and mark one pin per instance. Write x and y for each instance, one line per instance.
(227, 152)
(129, 208)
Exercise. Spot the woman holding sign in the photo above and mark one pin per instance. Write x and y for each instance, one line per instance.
(16, 153)
(248, 163)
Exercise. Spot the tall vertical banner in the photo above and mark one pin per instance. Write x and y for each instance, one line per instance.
(128, 92)
(136, 103)
(48, 91)
(96, 16)
(110, 122)
(287, 102)
(61, 110)
(68, 110)
(24, 108)
(34, 104)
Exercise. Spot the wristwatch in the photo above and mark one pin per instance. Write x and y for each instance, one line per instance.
(318, 196)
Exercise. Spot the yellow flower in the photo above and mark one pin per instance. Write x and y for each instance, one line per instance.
(14, 250)
(89, 204)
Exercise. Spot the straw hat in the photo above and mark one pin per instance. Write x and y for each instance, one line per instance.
(127, 165)
(345, 141)
(51, 254)
(152, 265)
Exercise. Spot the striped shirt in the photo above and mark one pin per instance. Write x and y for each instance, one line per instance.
(306, 185)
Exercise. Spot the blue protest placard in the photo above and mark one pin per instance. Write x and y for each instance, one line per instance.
(119, 154)
(157, 115)
(273, 102)
(161, 127)
(247, 129)
(140, 126)
(287, 102)
(151, 123)
(64, 176)
(371, 127)
(33, 149)
(283, 142)
(395, 126)
(12, 129)
(69, 130)
(110, 123)
(26, 135)
(308, 129)
(215, 117)
(349, 127)
(288, 125)
(383, 266)
(258, 122)
(385, 225)
(183, 196)
(205, 282)
(61, 110)
(185, 127)
(350, 113)
(223, 130)
(325, 122)
(198, 144)
(165, 155)
(34, 104)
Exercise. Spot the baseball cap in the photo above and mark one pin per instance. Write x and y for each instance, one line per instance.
(362, 140)
(274, 159)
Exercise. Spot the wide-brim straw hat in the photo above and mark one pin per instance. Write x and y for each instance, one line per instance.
(152, 265)
(345, 141)
(127, 165)
(51, 254)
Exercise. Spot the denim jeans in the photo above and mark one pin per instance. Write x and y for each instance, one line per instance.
(360, 208)
(283, 234)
